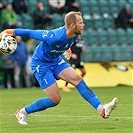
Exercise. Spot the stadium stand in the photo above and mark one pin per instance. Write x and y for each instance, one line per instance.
(103, 37)
(103, 42)
(100, 34)
(122, 36)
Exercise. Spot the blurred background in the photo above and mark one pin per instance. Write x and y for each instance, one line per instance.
(108, 32)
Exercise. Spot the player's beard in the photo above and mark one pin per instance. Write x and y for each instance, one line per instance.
(78, 31)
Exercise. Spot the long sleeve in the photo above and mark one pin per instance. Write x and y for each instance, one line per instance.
(35, 34)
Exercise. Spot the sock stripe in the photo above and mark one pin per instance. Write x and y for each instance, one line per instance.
(88, 95)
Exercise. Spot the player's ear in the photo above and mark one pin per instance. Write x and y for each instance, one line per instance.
(72, 25)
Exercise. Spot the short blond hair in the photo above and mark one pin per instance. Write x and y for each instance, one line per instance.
(71, 17)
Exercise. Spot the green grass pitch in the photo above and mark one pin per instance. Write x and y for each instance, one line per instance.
(72, 115)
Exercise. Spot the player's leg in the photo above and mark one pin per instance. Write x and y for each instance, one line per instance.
(72, 77)
(83, 71)
(81, 67)
(49, 86)
(43, 103)
(66, 88)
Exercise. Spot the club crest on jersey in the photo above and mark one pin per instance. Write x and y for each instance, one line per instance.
(45, 33)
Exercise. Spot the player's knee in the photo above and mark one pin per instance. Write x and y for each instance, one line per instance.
(77, 79)
(57, 99)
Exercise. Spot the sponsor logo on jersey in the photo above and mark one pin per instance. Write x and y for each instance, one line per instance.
(57, 51)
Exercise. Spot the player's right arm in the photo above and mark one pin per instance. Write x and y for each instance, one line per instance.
(6, 32)
(35, 34)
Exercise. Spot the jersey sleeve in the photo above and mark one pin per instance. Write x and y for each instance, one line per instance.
(35, 34)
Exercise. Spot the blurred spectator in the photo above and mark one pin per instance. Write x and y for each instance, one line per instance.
(57, 6)
(34, 82)
(72, 5)
(40, 18)
(2, 6)
(8, 71)
(20, 57)
(125, 18)
(8, 17)
(19, 6)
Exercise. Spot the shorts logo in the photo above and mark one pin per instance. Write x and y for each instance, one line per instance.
(62, 61)
(46, 81)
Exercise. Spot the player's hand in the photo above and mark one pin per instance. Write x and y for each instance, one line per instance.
(6, 32)
(2, 35)
(74, 56)
(67, 54)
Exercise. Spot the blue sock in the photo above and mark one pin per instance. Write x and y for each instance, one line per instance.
(88, 94)
(39, 105)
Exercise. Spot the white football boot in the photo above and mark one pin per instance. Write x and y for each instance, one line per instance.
(107, 108)
(22, 117)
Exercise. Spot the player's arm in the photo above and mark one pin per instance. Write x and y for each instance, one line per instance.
(6, 32)
(35, 34)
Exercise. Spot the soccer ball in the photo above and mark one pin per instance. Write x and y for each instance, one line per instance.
(8, 45)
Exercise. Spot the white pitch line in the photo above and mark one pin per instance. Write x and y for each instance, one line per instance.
(69, 116)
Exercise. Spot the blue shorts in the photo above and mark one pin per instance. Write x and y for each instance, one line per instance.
(46, 73)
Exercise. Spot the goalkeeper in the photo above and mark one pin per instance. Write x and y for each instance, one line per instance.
(47, 65)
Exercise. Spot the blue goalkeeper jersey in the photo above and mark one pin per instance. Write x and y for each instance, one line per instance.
(53, 43)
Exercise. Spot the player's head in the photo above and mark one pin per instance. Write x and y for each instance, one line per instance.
(74, 21)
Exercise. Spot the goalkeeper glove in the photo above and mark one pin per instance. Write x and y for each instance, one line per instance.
(67, 54)
(6, 32)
